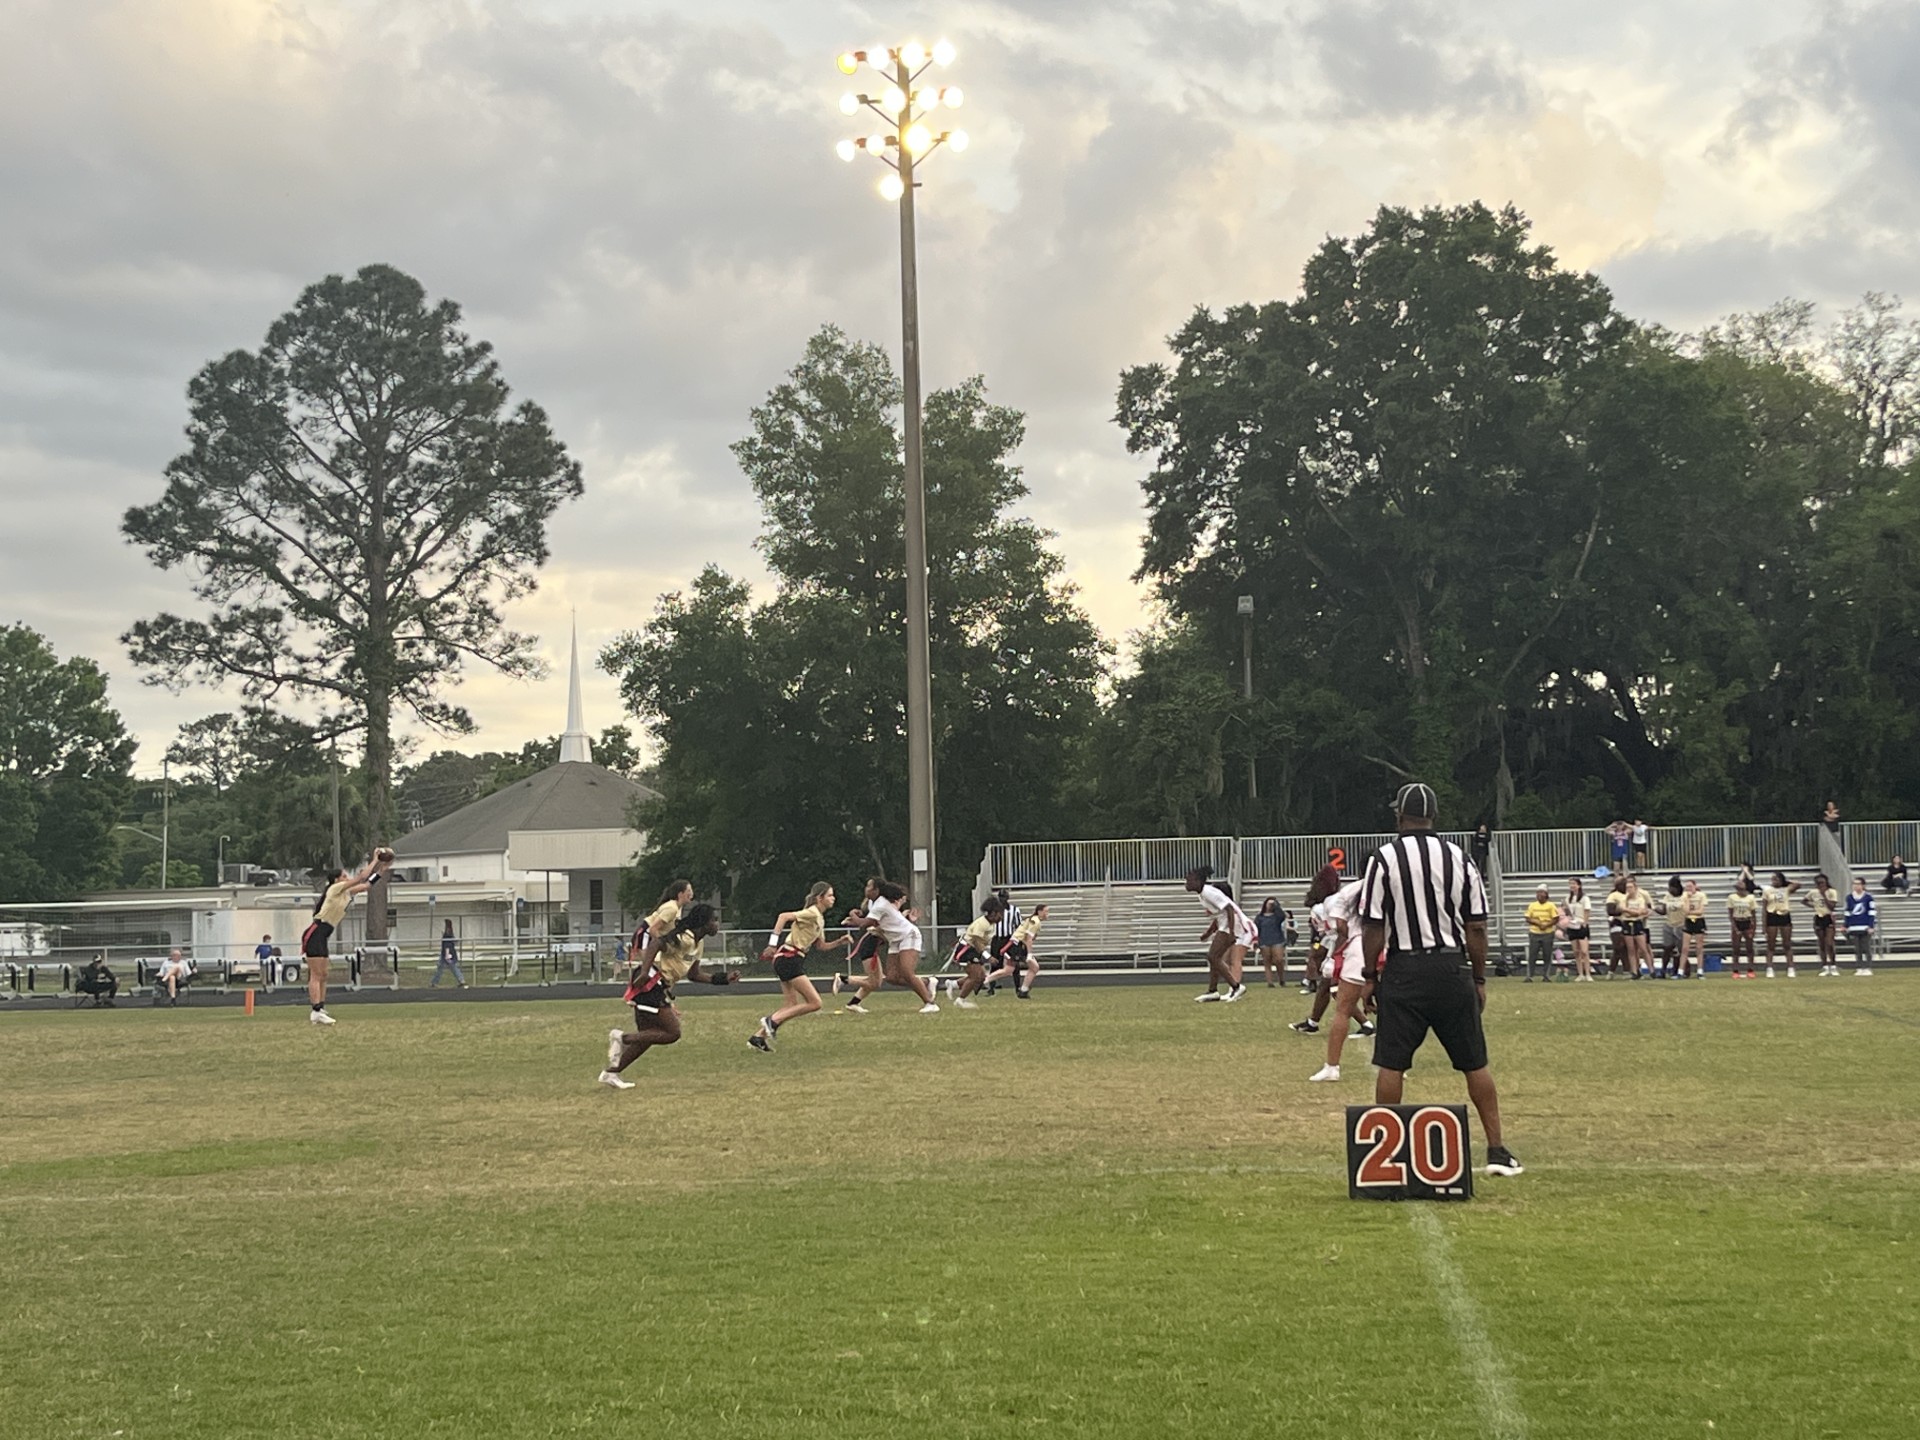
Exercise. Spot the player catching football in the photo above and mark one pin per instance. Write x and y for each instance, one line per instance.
(806, 929)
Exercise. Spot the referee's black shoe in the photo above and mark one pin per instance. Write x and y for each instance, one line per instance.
(1500, 1161)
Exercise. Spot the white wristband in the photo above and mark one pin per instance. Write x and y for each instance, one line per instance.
(773, 939)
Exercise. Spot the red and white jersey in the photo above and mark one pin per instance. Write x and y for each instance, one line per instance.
(1344, 904)
(1227, 915)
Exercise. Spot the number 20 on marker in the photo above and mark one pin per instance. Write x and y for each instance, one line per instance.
(1409, 1152)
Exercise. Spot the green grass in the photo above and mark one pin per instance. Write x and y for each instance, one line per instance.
(1104, 1213)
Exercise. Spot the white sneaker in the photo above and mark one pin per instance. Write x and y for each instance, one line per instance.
(1238, 992)
(836, 983)
(952, 987)
(1770, 972)
(965, 1004)
(1325, 1072)
(1790, 974)
(613, 1047)
(1863, 970)
(1210, 995)
(614, 1082)
(930, 1008)
(850, 1008)
(320, 1017)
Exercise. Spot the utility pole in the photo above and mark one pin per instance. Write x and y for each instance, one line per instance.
(1246, 682)
(333, 770)
(166, 810)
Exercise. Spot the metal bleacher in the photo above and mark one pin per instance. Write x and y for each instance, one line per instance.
(1122, 904)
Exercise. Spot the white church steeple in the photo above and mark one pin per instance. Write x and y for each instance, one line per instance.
(575, 747)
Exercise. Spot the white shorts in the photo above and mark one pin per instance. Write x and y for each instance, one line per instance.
(909, 939)
(1352, 962)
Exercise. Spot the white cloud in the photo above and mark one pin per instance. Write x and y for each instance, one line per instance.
(642, 211)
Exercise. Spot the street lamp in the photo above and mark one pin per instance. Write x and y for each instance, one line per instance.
(903, 103)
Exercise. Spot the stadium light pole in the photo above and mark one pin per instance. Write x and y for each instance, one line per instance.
(904, 141)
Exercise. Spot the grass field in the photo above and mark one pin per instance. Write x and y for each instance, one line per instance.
(1105, 1212)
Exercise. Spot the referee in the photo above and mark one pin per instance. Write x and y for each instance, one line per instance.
(1424, 910)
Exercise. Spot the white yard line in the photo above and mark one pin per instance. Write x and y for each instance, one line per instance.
(1499, 1406)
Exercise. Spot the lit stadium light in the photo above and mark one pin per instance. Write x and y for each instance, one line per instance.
(919, 140)
(943, 54)
(892, 187)
(894, 101)
(956, 139)
(913, 55)
(952, 96)
(848, 61)
(846, 150)
(849, 103)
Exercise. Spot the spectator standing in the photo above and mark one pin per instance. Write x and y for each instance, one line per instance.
(1693, 931)
(1825, 902)
(1423, 907)
(1742, 905)
(1619, 957)
(1543, 918)
(1672, 908)
(1777, 900)
(1642, 844)
(1578, 912)
(1894, 882)
(1635, 906)
(1862, 920)
(95, 979)
(1271, 927)
(449, 959)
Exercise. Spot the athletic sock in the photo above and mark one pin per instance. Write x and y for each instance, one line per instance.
(321, 1006)
(773, 1024)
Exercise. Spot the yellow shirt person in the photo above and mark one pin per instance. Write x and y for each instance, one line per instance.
(1542, 917)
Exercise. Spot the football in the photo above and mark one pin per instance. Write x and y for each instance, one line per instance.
(383, 856)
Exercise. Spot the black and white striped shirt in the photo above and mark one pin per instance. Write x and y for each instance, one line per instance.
(1424, 890)
(1008, 923)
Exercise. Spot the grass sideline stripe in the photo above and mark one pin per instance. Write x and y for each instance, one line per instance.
(1498, 1404)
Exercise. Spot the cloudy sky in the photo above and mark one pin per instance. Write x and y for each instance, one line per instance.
(638, 203)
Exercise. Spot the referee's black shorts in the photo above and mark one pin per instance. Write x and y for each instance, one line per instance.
(1428, 992)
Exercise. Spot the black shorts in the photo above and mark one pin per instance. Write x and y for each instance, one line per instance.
(1013, 953)
(1580, 933)
(1421, 993)
(1633, 927)
(1823, 922)
(965, 954)
(650, 1001)
(1696, 926)
(1741, 927)
(789, 964)
(1779, 922)
(868, 948)
(313, 944)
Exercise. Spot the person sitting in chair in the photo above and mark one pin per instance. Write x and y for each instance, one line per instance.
(95, 979)
(1894, 882)
(175, 972)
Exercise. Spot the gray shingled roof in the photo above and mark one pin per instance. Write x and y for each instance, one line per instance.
(570, 796)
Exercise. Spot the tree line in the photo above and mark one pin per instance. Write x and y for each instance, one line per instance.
(1497, 535)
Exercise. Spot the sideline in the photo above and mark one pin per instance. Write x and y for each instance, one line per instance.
(1499, 1407)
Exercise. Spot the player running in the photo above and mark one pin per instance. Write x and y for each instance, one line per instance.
(328, 911)
(1229, 933)
(1017, 955)
(806, 932)
(971, 953)
(904, 944)
(675, 956)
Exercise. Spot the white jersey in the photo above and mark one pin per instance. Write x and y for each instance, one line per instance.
(1344, 904)
(1228, 916)
(900, 932)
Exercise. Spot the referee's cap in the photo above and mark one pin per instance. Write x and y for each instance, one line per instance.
(1416, 802)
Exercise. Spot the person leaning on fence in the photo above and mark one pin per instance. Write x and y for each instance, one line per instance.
(1543, 919)
(1423, 907)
